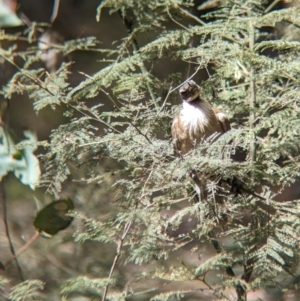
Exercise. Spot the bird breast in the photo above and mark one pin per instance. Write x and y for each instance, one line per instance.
(196, 121)
(198, 118)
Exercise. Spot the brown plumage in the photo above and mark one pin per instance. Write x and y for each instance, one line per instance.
(196, 120)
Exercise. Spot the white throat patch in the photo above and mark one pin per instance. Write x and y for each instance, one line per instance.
(195, 117)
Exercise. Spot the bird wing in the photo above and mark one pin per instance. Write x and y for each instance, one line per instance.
(176, 132)
(180, 136)
(223, 120)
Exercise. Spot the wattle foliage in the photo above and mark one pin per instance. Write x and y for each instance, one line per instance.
(253, 77)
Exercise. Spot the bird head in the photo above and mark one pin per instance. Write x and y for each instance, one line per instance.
(189, 91)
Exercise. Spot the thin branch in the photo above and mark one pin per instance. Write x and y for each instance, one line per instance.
(135, 47)
(189, 62)
(115, 104)
(118, 253)
(161, 108)
(248, 264)
(198, 20)
(102, 90)
(5, 221)
(199, 184)
(138, 130)
(55, 261)
(4, 199)
(24, 247)
(270, 7)
(252, 98)
(240, 291)
(198, 68)
(55, 10)
(164, 103)
(197, 277)
(204, 281)
(176, 22)
(87, 115)
(40, 84)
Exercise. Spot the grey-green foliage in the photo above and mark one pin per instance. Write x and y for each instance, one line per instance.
(84, 283)
(259, 91)
(26, 290)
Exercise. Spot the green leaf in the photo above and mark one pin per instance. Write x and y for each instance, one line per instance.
(52, 218)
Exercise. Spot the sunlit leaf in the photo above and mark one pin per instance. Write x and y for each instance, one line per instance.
(23, 163)
(31, 173)
(7, 17)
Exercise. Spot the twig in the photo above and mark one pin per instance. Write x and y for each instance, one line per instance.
(118, 253)
(23, 248)
(198, 20)
(161, 108)
(66, 103)
(5, 221)
(115, 104)
(198, 183)
(252, 99)
(198, 68)
(87, 115)
(164, 103)
(242, 188)
(135, 47)
(271, 6)
(204, 281)
(144, 135)
(240, 291)
(248, 265)
(106, 93)
(176, 22)
(55, 10)
(60, 265)
(4, 207)
(190, 63)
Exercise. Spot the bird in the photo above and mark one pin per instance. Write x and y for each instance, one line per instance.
(197, 120)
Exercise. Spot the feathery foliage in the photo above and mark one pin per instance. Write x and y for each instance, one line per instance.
(252, 76)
